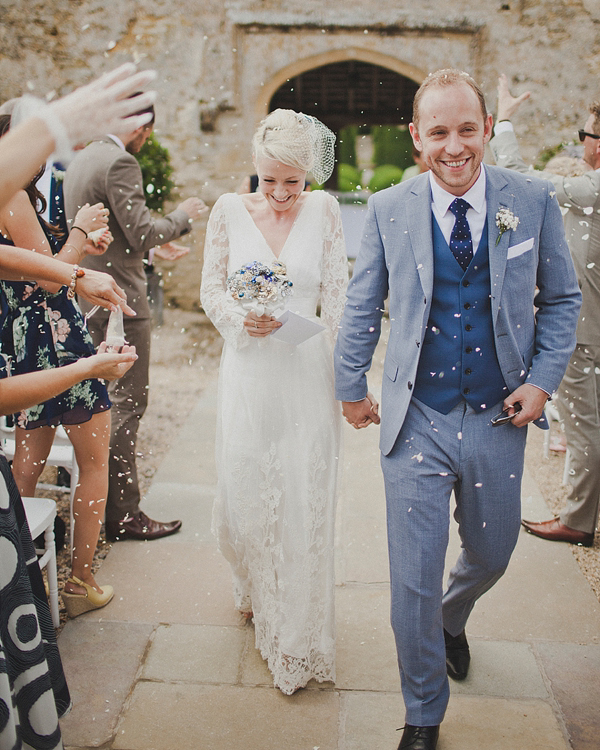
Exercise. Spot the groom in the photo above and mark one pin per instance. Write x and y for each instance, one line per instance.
(459, 251)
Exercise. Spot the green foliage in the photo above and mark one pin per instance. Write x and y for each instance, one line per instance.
(392, 144)
(346, 142)
(548, 153)
(348, 177)
(156, 167)
(385, 176)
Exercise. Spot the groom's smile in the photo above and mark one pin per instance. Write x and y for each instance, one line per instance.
(451, 133)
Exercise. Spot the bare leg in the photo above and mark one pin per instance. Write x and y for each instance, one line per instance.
(31, 451)
(91, 442)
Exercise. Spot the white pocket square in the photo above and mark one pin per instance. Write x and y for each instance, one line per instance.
(522, 247)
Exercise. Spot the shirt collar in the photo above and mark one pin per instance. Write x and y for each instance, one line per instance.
(475, 195)
(117, 140)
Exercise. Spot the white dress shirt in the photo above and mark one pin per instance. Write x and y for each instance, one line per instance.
(476, 215)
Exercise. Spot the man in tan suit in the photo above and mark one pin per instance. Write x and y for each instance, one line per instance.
(106, 171)
(579, 392)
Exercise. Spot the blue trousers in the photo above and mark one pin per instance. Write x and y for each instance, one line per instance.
(434, 455)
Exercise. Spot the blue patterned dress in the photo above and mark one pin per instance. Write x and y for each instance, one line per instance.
(41, 331)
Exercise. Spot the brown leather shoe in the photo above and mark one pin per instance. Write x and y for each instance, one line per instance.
(140, 527)
(555, 531)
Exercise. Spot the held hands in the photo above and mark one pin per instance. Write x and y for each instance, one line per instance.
(532, 402)
(508, 104)
(194, 207)
(361, 413)
(111, 365)
(260, 326)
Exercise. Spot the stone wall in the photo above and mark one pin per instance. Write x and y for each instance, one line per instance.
(220, 62)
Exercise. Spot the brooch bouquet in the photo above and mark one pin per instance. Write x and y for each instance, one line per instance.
(260, 288)
(505, 220)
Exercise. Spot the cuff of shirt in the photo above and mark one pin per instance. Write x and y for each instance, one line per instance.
(504, 126)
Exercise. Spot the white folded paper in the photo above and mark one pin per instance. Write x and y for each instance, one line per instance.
(296, 329)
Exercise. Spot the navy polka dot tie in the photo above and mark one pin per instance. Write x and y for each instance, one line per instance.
(461, 243)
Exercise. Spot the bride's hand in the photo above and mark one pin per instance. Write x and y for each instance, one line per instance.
(259, 326)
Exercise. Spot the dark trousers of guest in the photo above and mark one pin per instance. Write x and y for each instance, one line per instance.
(129, 396)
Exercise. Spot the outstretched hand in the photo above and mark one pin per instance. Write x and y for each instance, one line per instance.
(361, 413)
(507, 103)
(171, 251)
(101, 289)
(111, 365)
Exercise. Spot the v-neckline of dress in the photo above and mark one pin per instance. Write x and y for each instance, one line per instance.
(287, 239)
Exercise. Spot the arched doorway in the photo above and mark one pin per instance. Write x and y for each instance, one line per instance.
(351, 92)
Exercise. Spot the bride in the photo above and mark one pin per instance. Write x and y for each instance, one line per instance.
(278, 431)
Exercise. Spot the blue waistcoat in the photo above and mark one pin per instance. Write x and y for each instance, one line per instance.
(459, 359)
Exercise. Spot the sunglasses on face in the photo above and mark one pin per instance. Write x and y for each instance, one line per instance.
(583, 133)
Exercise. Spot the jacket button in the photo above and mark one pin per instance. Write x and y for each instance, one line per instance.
(466, 391)
(466, 283)
(468, 371)
(409, 386)
(469, 349)
(467, 305)
(468, 327)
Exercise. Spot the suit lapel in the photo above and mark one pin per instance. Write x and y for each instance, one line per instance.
(497, 197)
(418, 221)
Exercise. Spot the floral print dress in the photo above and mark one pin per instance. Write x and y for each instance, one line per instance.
(40, 331)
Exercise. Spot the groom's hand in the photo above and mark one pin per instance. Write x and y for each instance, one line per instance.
(532, 400)
(361, 413)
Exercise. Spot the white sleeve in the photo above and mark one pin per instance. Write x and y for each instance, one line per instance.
(215, 298)
(334, 271)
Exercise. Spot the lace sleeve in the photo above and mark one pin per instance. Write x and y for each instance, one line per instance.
(214, 297)
(334, 274)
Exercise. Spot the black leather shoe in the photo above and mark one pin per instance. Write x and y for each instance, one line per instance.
(139, 527)
(419, 738)
(458, 656)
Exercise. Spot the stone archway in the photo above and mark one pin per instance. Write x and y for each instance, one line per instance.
(357, 66)
(351, 92)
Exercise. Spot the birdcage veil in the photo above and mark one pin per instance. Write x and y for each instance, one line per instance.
(298, 140)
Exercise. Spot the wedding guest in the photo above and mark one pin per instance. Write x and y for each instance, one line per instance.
(30, 711)
(42, 329)
(106, 170)
(278, 429)
(578, 398)
(458, 251)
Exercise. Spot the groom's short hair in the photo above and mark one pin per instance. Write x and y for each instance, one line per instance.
(446, 77)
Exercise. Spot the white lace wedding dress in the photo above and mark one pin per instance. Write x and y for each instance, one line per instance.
(278, 438)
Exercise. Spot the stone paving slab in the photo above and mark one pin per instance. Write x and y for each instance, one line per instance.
(369, 720)
(164, 582)
(101, 661)
(502, 668)
(189, 502)
(170, 716)
(574, 673)
(196, 653)
(366, 651)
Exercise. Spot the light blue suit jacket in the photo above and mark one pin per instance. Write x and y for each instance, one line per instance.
(396, 260)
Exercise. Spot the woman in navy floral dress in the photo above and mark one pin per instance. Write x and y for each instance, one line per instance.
(42, 329)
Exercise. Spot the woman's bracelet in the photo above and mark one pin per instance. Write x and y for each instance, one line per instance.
(81, 230)
(78, 273)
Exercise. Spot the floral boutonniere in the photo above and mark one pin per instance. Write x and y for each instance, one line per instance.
(505, 220)
(58, 174)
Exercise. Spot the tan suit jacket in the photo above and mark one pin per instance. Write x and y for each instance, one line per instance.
(104, 172)
(579, 199)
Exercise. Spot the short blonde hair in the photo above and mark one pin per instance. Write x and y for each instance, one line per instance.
(447, 77)
(284, 135)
